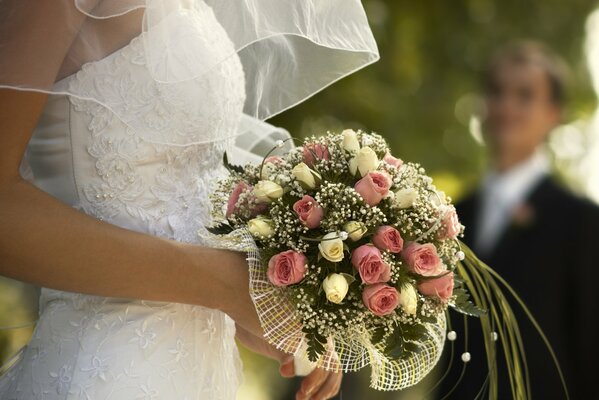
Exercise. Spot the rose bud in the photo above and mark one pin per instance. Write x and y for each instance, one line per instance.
(422, 259)
(308, 211)
(355, 230)
(232, 205)
(450, 224)
(405, 198)
(261, 227)
(373, 187)
(307, 177)
(315, 151)
(287, 268)
(335, 287)
(367, 260)
(392, 161)
(350, 141)
(380, 298)
(367, 160)
(331, 247)
(441, 287)
(388, 238)
(267, 191)
(408, 299)
(270, 166)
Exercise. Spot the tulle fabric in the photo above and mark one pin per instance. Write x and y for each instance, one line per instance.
(289, 49)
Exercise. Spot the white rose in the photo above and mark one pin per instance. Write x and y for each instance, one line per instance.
(335, 287)
(350, 141)
(267, 191)
(408, 299)
(404, 198)
(307, 177)
(353, 165)
(331, 247)
(367, 160)
(261, 227)
(355, 230)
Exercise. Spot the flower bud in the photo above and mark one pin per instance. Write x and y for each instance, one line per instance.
(350, 141)
(367, 160)
(267, 191)
(355, 230)
(404, 198)
(335, 287)
(307, 177)
(331, 247)
(261, 227)
(408, 299)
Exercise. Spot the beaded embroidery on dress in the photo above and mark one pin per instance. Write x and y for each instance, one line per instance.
(88, 347)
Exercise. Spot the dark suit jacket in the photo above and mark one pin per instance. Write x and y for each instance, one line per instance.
(549, 254)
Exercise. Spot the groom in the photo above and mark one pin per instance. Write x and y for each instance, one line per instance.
(540, 237)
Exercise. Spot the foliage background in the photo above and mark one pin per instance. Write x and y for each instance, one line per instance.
(421, 95)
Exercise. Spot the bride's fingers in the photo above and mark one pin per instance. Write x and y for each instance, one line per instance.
(287, 369)
(330, 387)
(311, 383)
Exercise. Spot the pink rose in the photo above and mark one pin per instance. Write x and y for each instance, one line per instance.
(422, 259)
(233, 203)
(450, 225)
(374, 187)
(441, 287)
(286, 268)
(380, 298)
(388, 238)
(276, 160)
(393, 161)
(308, 211)
(367, 260)
(234, 198)
(315, 149)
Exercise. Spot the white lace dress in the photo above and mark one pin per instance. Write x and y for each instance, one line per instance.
(87, 347)
(145, 160)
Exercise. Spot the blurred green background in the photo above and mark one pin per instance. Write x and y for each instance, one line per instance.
(423, 96)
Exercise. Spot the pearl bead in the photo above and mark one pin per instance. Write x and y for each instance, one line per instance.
(460, 255)
(466, 357)
(343, 235)
(452, 335)
(279, 143)
(494, 336)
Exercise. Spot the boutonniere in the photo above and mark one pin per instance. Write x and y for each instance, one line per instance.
(523, 215)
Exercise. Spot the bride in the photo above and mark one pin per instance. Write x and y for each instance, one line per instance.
(114, 117)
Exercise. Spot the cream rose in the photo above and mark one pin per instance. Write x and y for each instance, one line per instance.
(350, 141)
(267, 191)
(408, 299)
(367, 160)
(331, 247)
(335, 287)
(261, 227)
(307, 177)
(405, 198)
(355, 230)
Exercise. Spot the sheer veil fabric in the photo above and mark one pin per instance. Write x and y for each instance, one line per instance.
(289, 49)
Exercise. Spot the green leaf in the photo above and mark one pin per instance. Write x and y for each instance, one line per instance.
(232, 168)
(220, 229)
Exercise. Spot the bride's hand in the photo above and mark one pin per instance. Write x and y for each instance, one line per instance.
(319, 384)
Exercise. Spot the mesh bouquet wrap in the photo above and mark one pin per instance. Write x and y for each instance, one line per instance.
(352, 255)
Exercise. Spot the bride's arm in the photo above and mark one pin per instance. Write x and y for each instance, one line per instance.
(46, 242)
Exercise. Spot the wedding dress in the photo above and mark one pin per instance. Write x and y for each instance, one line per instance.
(121, 145)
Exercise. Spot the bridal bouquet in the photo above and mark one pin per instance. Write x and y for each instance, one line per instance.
(356, 255)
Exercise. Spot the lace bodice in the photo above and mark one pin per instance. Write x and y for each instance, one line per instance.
(148, 169)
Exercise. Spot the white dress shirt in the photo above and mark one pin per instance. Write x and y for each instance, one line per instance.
(501, 193)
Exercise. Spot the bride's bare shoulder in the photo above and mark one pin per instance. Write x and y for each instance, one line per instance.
(45, 40)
